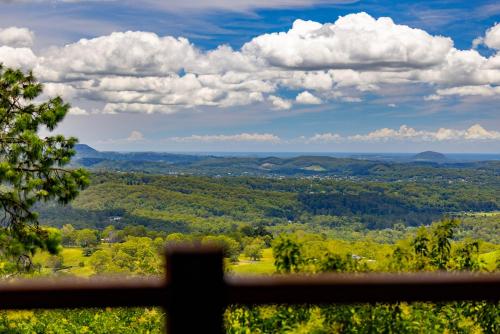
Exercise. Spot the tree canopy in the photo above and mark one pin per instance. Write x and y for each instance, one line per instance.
(32, 168)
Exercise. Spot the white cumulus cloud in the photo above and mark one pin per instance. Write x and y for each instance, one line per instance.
(474, 133)
(16, 37)
(114, 108)
(17, 57)
(76, 111)
(307, 98)
(477, 132)
(492, 37)
(279, 103)
(324, 138)
(355, 41)
(122, 53)
(483, 90)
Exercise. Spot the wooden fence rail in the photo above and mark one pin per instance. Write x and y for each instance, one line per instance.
(195, 291)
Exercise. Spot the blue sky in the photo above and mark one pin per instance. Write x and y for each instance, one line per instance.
(241, 76)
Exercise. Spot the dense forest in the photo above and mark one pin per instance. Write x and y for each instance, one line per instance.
(200, 204)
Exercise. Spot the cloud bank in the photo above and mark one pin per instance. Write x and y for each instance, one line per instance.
(404, 133)
(141, 72)
(16, 37)
(353, 42)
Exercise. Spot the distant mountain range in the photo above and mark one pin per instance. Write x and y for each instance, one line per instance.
(91, 155)
(85, 150)
(423, 165)
(430, 156)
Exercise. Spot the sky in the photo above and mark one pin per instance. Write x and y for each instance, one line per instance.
(265, 75)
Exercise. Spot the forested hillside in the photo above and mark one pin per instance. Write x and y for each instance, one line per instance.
(374, 169)
(205, 204)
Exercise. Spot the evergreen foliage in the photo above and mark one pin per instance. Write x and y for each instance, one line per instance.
(31, 167)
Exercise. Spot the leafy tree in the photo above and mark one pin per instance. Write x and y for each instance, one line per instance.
(176, 239)
(254, 250)
(18, 253)
(101, 261)
(68, 233)
(337, 263)
(467, 256)
(230, 246)
(86, 238)
(31, 167)
(399, 260)
(421, 247)
(137, 255)
(287, 254)
(441, 249)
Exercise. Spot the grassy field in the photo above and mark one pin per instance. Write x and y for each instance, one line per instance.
(264, 266)
(74, 262)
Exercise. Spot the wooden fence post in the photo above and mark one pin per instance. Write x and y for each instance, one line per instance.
(196, 280)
